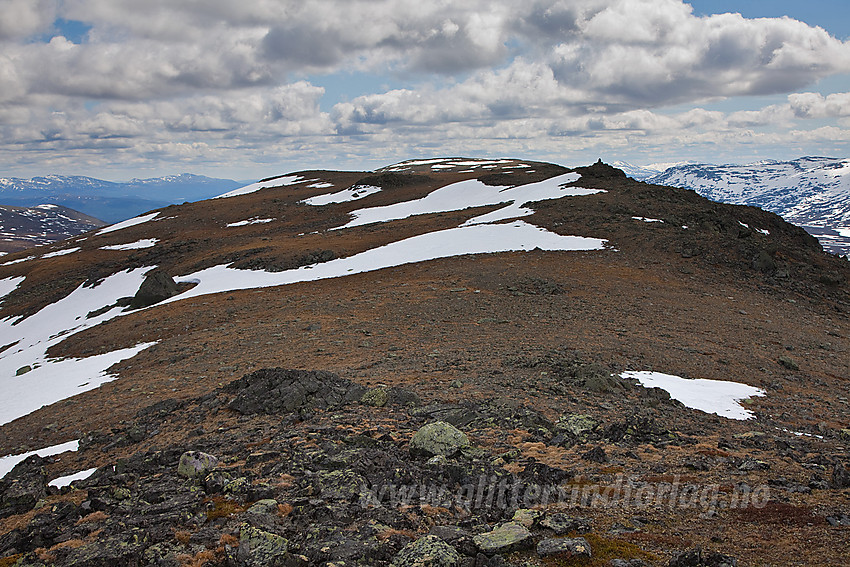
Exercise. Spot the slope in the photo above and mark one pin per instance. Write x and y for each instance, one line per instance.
(26, 227)
(515, 337)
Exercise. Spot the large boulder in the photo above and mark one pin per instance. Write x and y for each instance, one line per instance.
(438, 438)
(428, 551)
(23, 487)
(158, 286)
(196, 464)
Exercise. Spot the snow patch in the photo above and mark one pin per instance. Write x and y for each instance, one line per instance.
(249, 221)
(128, 223)
(18, 261)
(475, 239)
(719, 397)
(51, 380)
(351, 194)
(61, 252)
(8, 285)
(137, 245)
(254, 187)
(647, 219)
(473, 193)
(8, 462)
(55, 380)
(68, 479)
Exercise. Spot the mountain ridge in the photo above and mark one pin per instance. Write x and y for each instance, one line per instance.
(111, 201)
(318, 321)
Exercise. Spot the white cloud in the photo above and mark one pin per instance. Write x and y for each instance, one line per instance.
(23, 18)
(202, 79)
(815, 105)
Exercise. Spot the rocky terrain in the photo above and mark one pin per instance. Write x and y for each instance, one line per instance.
(290, 402)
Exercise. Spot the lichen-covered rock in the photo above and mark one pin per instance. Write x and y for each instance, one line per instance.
(572, 547)
(263, 507)
(577, 425)
(196, 464)
(428, 551)
(23, 486)
(505, 538)
(259, 548)
(341, 485)
(527, 517)
(438, 438)
(377, 397)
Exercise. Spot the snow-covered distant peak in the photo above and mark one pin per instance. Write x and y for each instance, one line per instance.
(643, 172)
(808, 191)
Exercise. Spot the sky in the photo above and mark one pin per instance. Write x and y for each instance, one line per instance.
(245, 89)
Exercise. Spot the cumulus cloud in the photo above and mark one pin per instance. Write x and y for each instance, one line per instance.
(205, 76)
(23, 18)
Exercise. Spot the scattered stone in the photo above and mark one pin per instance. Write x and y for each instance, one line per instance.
(505, 538)
(527, 517)
(838, 519)
(438, 438)
(428, 551)
(377, 397)
(403, 397)
(562, 524)
(158, 286)
(264, 507)
(457, 537)
(572, 547)
(196, 464)
(841, 476)
(696, 558)
(259, 548)
(788, 362)
(23, 370)
(753, 465)
(595, 455)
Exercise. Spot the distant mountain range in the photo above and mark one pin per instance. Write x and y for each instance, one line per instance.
(812, 192)
(108, 200)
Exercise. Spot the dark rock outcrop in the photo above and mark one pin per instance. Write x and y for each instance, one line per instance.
(158, 286)
(280, 391)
